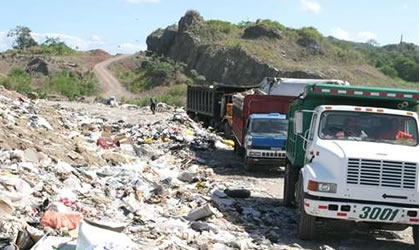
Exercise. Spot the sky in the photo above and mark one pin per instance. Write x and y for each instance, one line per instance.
(121, 26)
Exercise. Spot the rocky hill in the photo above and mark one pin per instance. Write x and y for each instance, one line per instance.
(242, 54)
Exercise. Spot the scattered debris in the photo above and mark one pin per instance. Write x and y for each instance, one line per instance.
(71, 179)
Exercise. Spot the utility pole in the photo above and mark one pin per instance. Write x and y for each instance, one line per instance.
(401, 41)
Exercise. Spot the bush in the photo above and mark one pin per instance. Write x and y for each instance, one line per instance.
(245, 24)
(17, 80)
(155, 72)
(310, 33)
(54, 46)
(389, 71)
(271, 25)
(221, 26)
(68, 84)
(407, 69)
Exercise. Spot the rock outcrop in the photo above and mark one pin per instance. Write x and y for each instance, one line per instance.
(257, 31)
(37, 65)
(222, 64)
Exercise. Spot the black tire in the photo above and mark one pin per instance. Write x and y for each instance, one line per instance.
(305, 222)
(248, 167)
(191, 115)
(415, 229)
(290, 176)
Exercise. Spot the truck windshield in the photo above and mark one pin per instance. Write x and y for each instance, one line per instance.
(375, 127)
(269, 126)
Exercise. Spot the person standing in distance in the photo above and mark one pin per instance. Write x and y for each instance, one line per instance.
(153, 103)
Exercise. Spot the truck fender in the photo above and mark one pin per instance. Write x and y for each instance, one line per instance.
(317, 172)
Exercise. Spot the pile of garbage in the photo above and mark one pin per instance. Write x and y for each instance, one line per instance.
(73, 180)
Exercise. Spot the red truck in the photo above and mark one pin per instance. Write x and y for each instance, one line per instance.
(259, 127)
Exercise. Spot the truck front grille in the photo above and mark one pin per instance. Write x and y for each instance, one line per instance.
(273, 155)
(393, 174)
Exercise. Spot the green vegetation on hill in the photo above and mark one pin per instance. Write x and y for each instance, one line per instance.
(65, 83)
(394, 60)
(68, 84)
(17, 80)
(151, 73)
(271, 37)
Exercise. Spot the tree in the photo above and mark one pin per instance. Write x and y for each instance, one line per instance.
(407, 69)
(372, 42)
(23, 38)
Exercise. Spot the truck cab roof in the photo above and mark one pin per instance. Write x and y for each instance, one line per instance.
(268, 116)
(364, 109)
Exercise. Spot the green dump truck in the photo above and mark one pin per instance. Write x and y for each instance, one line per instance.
(352, 154)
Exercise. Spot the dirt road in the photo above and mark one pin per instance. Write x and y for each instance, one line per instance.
(109, 84)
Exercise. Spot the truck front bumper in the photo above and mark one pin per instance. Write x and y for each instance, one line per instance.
(366, 212)
(266, 161)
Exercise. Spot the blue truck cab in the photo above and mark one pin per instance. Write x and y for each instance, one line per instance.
(265, 140)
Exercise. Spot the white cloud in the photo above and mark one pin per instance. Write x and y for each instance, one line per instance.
(310, 6)
(141, 1)
(363, 36)
(5, 42)
(72, 41)
(341, 34)
(130, 47)
(96, 38)
(78, 43)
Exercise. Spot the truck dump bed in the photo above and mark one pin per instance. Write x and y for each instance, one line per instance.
(255, 104)
(207, 100)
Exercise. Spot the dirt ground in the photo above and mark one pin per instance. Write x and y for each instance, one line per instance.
(267, 191)
(336, 234)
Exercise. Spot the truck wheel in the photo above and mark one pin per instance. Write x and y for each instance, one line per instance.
(290, 174)
(305, 222)
(248, 167)
(415, 229)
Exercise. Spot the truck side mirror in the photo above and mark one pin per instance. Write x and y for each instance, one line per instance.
(298, 123)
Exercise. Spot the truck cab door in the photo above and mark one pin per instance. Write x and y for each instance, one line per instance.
(309, 137)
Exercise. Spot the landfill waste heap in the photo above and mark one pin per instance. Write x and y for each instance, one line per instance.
(70, 179)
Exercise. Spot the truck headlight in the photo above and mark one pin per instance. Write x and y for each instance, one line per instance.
(254, 154)
(248, 140)
(322, 187)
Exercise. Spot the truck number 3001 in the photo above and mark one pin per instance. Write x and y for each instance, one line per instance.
(374, 213)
